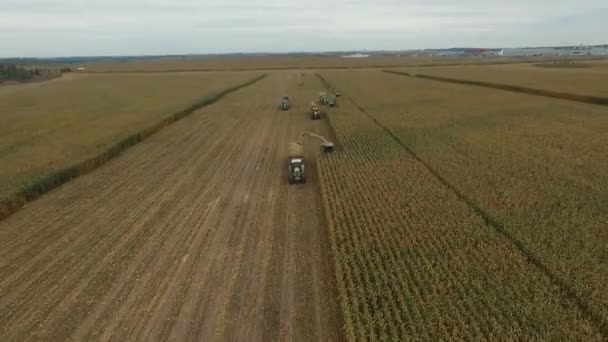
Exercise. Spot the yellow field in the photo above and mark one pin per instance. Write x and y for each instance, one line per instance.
(601, 63)
(289, 62)
(591, 80)
(47, 126)
(534, 168)
(414, 261)
(447, 212)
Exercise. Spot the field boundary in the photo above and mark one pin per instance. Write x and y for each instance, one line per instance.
(566, 289)
(596, 100)
(54, 179)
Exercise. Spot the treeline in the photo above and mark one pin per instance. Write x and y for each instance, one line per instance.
(12, 72)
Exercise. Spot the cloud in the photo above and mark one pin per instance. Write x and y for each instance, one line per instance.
(117, 27)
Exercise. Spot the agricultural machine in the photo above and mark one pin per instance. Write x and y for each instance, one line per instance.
(331, 101)
(295, 157)
(295, 163)
(315, 112)
(323, 98)
(285, 103)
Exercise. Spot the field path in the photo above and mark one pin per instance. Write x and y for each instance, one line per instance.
(192, 235)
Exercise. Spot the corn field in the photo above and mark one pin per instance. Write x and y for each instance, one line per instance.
(414, 262)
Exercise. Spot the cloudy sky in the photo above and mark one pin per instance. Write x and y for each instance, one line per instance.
(134, 27)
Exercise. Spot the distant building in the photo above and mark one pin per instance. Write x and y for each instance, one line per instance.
(474, 52)
(466, 52)
(357, 55)
(597, 50)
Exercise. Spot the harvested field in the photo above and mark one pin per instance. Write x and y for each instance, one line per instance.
(590, 81)
(48, 126)
(192, 234)
(532, 167)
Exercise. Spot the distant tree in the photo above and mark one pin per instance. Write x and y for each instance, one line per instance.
(12, 72)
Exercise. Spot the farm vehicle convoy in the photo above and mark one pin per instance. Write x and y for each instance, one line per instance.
(324, 99)
(295, 150)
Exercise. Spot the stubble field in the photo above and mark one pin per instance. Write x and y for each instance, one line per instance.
(447, 212)
(192, 234)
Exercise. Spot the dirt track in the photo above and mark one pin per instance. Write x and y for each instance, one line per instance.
(193, 234)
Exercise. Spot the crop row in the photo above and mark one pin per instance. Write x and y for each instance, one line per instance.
(413, 262)
(533, 166)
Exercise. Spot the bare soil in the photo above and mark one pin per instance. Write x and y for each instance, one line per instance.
(194, 234)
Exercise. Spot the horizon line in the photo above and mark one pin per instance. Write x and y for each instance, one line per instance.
(303, 52)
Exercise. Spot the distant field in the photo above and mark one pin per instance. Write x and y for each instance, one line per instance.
(46, 126)
(535, 166)
(290, 62)
(601, 63)
(592, 80)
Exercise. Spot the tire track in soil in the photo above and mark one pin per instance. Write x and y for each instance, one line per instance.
(193, 234)
(83, 266)
(191, 204)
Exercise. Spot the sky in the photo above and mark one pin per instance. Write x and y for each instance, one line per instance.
(51, 28)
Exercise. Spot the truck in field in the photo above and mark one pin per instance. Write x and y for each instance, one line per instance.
(315, 112)
(331, 101)
(323, 98)
(295, 163)
(285, 103)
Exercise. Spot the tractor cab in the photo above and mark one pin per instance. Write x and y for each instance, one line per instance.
(296, 170)
(285, 104)
(315, 112)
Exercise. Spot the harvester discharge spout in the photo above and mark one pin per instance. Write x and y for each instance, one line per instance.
(326, 145)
